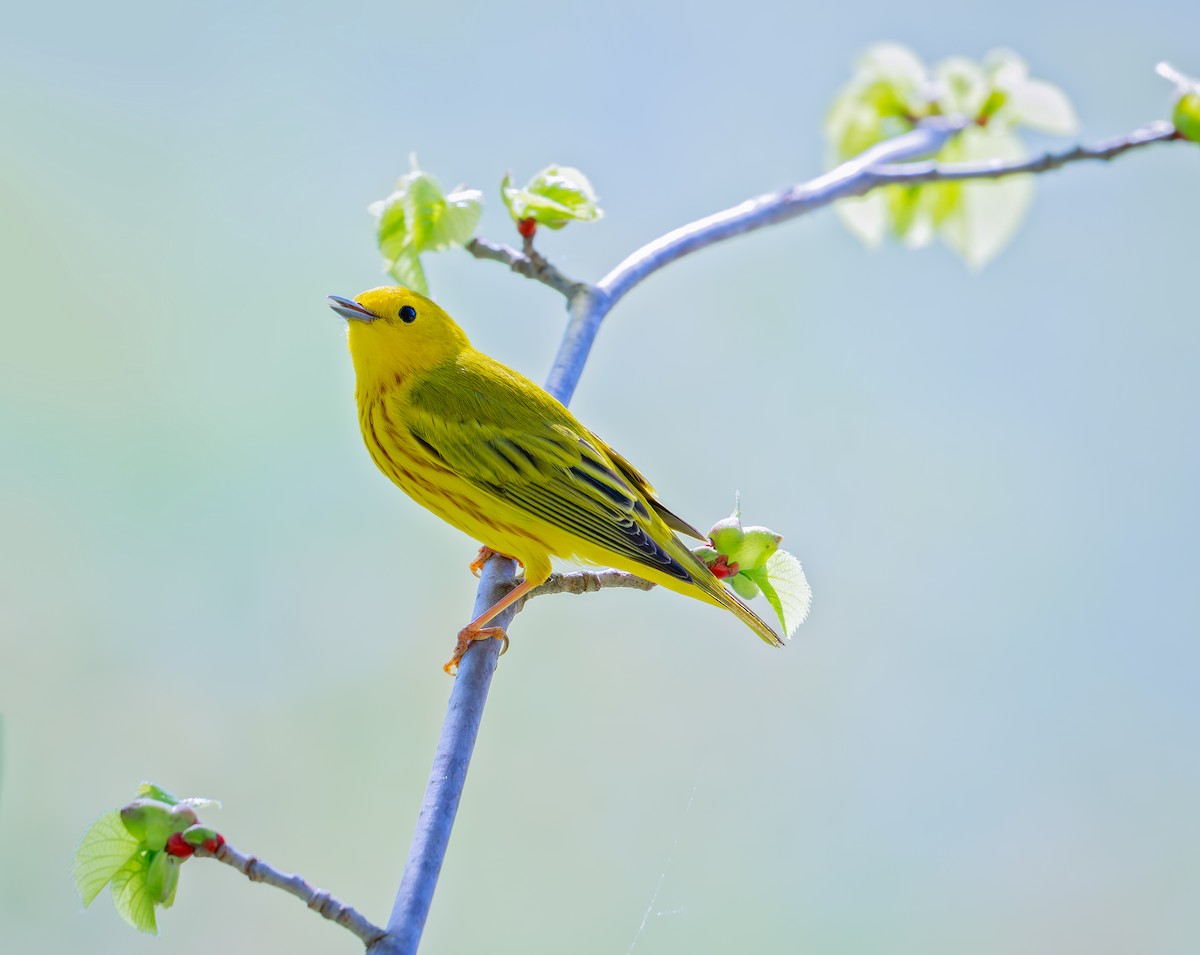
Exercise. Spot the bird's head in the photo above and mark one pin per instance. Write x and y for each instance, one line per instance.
(396, 332)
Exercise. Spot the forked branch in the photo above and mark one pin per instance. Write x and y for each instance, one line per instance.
(882, 165)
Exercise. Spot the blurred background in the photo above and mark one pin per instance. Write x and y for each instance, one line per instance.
(983, 740)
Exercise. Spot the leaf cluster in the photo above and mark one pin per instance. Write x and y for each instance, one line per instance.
(138, 849)
(891, 91)
(419, 216)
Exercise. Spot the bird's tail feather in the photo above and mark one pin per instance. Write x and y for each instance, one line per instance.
(749, 617)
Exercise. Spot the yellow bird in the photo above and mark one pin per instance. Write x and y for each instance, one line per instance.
(501, 459)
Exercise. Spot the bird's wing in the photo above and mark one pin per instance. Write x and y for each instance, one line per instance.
(524, 447)
(634, 477)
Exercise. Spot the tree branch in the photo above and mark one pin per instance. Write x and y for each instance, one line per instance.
(451, 760)
(531, 266)
(319, 901)
(586, 582)
(587, 306)
(912, 174)
(844, 180)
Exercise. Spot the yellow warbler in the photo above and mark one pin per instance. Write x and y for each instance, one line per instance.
(490, 452)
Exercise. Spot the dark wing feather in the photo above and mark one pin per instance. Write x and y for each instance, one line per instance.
(634, 477)
(539, 460)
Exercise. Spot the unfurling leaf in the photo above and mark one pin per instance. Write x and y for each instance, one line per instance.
(987, 213)
(131, 892)
(890, 92)
(419, 217)
(138, 850)
(750, 561)
(105, 848)
(783, 583)
(555, 196)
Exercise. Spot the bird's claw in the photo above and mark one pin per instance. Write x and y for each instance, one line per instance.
(467, 636)
(485, 554)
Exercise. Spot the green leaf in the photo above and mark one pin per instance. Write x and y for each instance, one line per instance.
(131, 893)
(744, 587)
(162, 878)
(423, 201)
(149, 821)
(406, 269)
(962, 87)
(909, 217)
(883, 97)
(418, 217)
(1043, 106)
(555, 196)
(865, 217)
(106, 847)
(783, 583)
(987, 214)
(149, 790)
(896, 64)
(458, 220)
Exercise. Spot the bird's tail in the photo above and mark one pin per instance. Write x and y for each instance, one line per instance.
(748, 616)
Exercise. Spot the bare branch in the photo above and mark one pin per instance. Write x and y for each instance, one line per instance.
(915, 173)
(532, 266)
(319, 901)
(845, 180)
(450, 763)
(587, 582)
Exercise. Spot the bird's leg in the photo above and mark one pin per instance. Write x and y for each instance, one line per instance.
(476, 630)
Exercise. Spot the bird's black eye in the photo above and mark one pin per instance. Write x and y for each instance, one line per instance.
(408, 314)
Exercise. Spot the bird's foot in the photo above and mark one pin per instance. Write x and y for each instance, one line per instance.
(485, 554)
(467, 636)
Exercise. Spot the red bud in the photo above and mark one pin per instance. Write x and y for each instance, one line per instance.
(177, 846)
(721, 567)
(213, 844)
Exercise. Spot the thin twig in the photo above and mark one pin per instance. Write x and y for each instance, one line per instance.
(531, 266)
(912, 174)
(586, 582)
(318, 900)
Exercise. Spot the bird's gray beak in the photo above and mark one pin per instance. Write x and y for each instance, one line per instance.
(350, 310)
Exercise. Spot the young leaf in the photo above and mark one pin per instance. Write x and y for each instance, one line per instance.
(783, 583)
(555, 196)
(406, 269)
(962, 87)
(988, 213)
(866, 217)
(131, 893)
(891, 90)
(418, 217)
(106, 847)
(1043, 106)
(149, 790)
